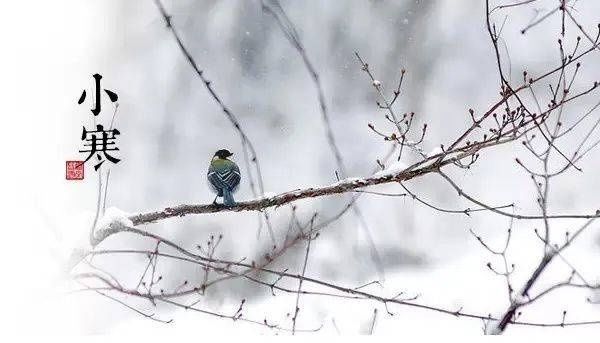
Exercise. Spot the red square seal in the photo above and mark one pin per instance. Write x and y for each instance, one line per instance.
(75, 170)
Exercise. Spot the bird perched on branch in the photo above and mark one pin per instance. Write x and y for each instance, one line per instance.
(224, 176)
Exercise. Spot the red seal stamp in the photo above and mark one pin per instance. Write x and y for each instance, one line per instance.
(75, 170)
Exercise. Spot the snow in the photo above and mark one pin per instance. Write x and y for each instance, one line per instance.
(267, 195)
(435, 151)
(113, 215)
(347, 180)
(392, 168)
(519, 299)
(491, 327)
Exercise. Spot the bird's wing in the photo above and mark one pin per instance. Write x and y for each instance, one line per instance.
(215, 183)
(224, 177)
(238, 177)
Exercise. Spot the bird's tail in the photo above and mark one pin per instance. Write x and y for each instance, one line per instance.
(228, 198)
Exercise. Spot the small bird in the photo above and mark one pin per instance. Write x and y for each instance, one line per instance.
(224, 176)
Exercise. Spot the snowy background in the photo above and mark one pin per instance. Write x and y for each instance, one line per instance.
(171, 128)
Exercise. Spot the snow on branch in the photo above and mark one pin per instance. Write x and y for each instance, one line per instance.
(342, 186)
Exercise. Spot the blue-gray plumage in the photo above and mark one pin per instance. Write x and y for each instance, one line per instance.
(224, 176)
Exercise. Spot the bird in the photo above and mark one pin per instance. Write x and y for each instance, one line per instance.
(224, 176)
